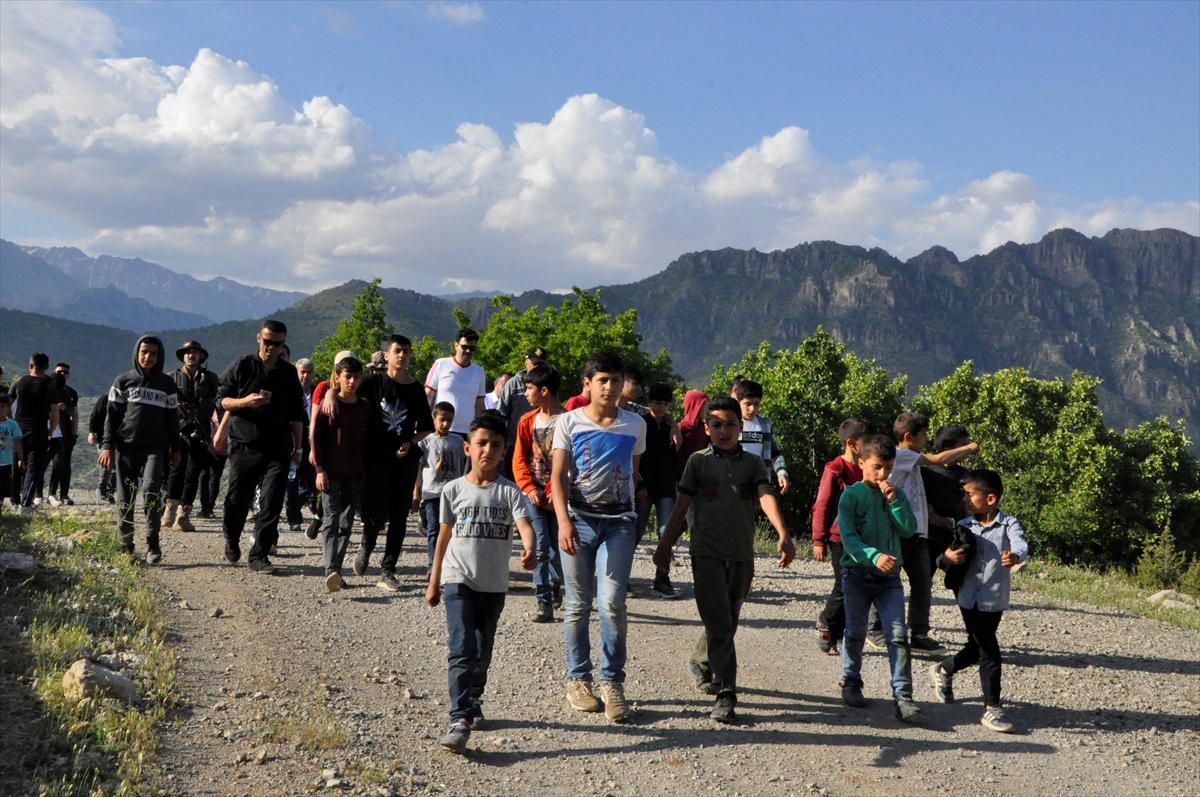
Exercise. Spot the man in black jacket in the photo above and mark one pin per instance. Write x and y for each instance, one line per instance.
(197, 395)
(141, 433)
(36, 413)
(262, 393)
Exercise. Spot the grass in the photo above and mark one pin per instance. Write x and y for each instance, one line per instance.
(1054, 583)
(86, 593)
(313, 733)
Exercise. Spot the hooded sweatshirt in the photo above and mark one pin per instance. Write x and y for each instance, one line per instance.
(695, 438)
(143, 406)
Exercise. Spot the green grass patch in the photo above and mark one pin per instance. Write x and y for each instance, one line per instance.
(1054, 583)
(86, 594)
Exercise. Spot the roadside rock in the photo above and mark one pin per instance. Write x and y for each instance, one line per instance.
(1163, 596)
(18, 562)
(216, 612)
(86, 679)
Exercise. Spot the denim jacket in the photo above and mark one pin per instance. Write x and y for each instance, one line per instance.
(987, 582)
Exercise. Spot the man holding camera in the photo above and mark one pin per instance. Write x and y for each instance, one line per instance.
(197, 395)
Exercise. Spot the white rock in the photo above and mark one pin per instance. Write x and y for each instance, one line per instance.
(1171, 595)
(86, 679)
(18, 562)
(328, 774)
(1174, 604)
(184, 605)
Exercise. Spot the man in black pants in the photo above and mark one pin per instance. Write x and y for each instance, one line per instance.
(197, 392)
(68, 419)
(302, 489)
(262, 394)
(400, 418)
(37, 411)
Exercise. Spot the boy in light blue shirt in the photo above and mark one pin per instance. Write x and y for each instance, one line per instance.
(999, 545)
(10, 443)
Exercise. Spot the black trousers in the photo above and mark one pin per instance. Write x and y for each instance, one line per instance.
(302, 490)
(210, 481)
(834, 613)
(140, 470)
(35, 446)
(184, 481)
(983, 649)
(60, 469)
(247, 469)
(914, 551)
(388, 501)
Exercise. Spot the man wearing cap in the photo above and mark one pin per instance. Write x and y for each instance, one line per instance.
(512, 403)
(262, 395)
(197, 396)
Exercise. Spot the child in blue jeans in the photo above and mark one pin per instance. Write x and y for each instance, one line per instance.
(873, 517)
(443, 459)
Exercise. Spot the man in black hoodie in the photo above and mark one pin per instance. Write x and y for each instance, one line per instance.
(262, 394)
(141, 433)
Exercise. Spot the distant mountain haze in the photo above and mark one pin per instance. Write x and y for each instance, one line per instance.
(1124, 307)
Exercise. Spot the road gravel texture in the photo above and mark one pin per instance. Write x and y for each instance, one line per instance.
(1106, 703)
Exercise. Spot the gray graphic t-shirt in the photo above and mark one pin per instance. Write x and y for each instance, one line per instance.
(481, 545)
(444, 460)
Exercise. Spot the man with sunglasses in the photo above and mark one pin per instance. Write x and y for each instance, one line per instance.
(459, 381)
(262, 394)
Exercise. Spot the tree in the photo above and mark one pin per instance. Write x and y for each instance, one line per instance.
(807, 393)
(570, 334)
(362, 333)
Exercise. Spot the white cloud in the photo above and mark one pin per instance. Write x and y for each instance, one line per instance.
(457, 13)
(208, 168)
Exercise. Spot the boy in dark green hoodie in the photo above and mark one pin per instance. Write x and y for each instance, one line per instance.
(873, 516)
(141, 432)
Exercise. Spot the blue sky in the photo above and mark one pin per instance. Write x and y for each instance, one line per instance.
(964, 124)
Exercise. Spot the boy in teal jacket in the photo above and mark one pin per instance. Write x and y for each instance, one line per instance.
(873, 516)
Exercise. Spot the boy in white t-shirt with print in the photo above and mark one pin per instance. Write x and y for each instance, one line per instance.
(459, 382)
(912, 435)
(470, 566)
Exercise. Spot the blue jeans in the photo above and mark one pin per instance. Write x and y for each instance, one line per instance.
(606, 548)
(548, 573)
(471, 619)
(431, 511)
(862, 590)
(664, 506)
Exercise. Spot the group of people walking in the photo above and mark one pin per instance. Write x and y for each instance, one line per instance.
(576, 484)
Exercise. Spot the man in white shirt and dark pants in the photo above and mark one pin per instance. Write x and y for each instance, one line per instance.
(459, 381)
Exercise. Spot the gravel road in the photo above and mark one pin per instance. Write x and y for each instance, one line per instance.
(1106, 703)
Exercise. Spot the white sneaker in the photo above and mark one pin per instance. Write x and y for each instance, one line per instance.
(54, 501)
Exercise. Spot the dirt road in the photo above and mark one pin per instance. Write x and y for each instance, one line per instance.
(1106, 703)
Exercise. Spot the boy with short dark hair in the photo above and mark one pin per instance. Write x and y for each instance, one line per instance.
(532, 464)
(873, 516)
(758, 437)
(911, 430)
(442, 461)
(656, 477)
(10, 447)
(839, 473)
(984, 594)
(471, 565)
(719, 489)
(339, 450)
(943, 490)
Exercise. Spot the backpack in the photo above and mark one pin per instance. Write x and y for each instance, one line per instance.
(963, 539)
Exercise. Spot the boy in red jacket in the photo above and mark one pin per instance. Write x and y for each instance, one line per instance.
(839, 474)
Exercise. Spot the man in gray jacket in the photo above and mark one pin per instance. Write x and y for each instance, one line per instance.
(141, 433)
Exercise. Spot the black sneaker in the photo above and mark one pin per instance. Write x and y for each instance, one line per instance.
(544, 613)
(825, 642)
(943, 683)
(455, 740)
(876, 639)
(262, 566)
(928, 647)
(558, 597)
(662, 589)
(360, 563)
(153, 556)
(477, 720)
(232, 553)
(293, 527)
(68, 501)
(701, 678)
(388, 581)
(207, 514)
(723, 709)
(314, 528)
(852, 696)
(907, 710)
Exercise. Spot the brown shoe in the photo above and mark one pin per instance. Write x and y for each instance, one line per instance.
(581, 697)
(169, 513)
(615, 707)
(184, 521)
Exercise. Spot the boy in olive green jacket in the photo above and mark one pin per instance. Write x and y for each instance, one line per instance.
(873, 516)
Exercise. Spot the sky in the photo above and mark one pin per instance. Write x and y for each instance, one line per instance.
(449, 146)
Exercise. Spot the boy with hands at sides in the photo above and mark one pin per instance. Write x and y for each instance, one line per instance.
(717, 495)
(873, 516)
(983, 595)
(470, 566)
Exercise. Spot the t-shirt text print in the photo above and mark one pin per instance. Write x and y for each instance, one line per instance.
(482, 518)
(487, 522)
(144, 395)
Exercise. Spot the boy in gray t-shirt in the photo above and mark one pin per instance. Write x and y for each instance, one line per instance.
(470, 565)
(443, 459)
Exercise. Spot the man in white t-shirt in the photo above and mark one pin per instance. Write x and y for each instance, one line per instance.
(595, 456)
(912, 435)
(492, 400)
(459, 382)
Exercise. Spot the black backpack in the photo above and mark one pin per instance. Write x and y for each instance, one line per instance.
(963, 539)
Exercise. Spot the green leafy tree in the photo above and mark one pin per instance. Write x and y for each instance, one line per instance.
(570, 334)
(425, 350)
(362, 333)
(807, 393)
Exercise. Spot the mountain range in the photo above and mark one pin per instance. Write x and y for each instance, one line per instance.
(1124, 307)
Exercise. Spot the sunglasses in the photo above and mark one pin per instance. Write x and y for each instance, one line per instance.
(271, 344)
(467, 346)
